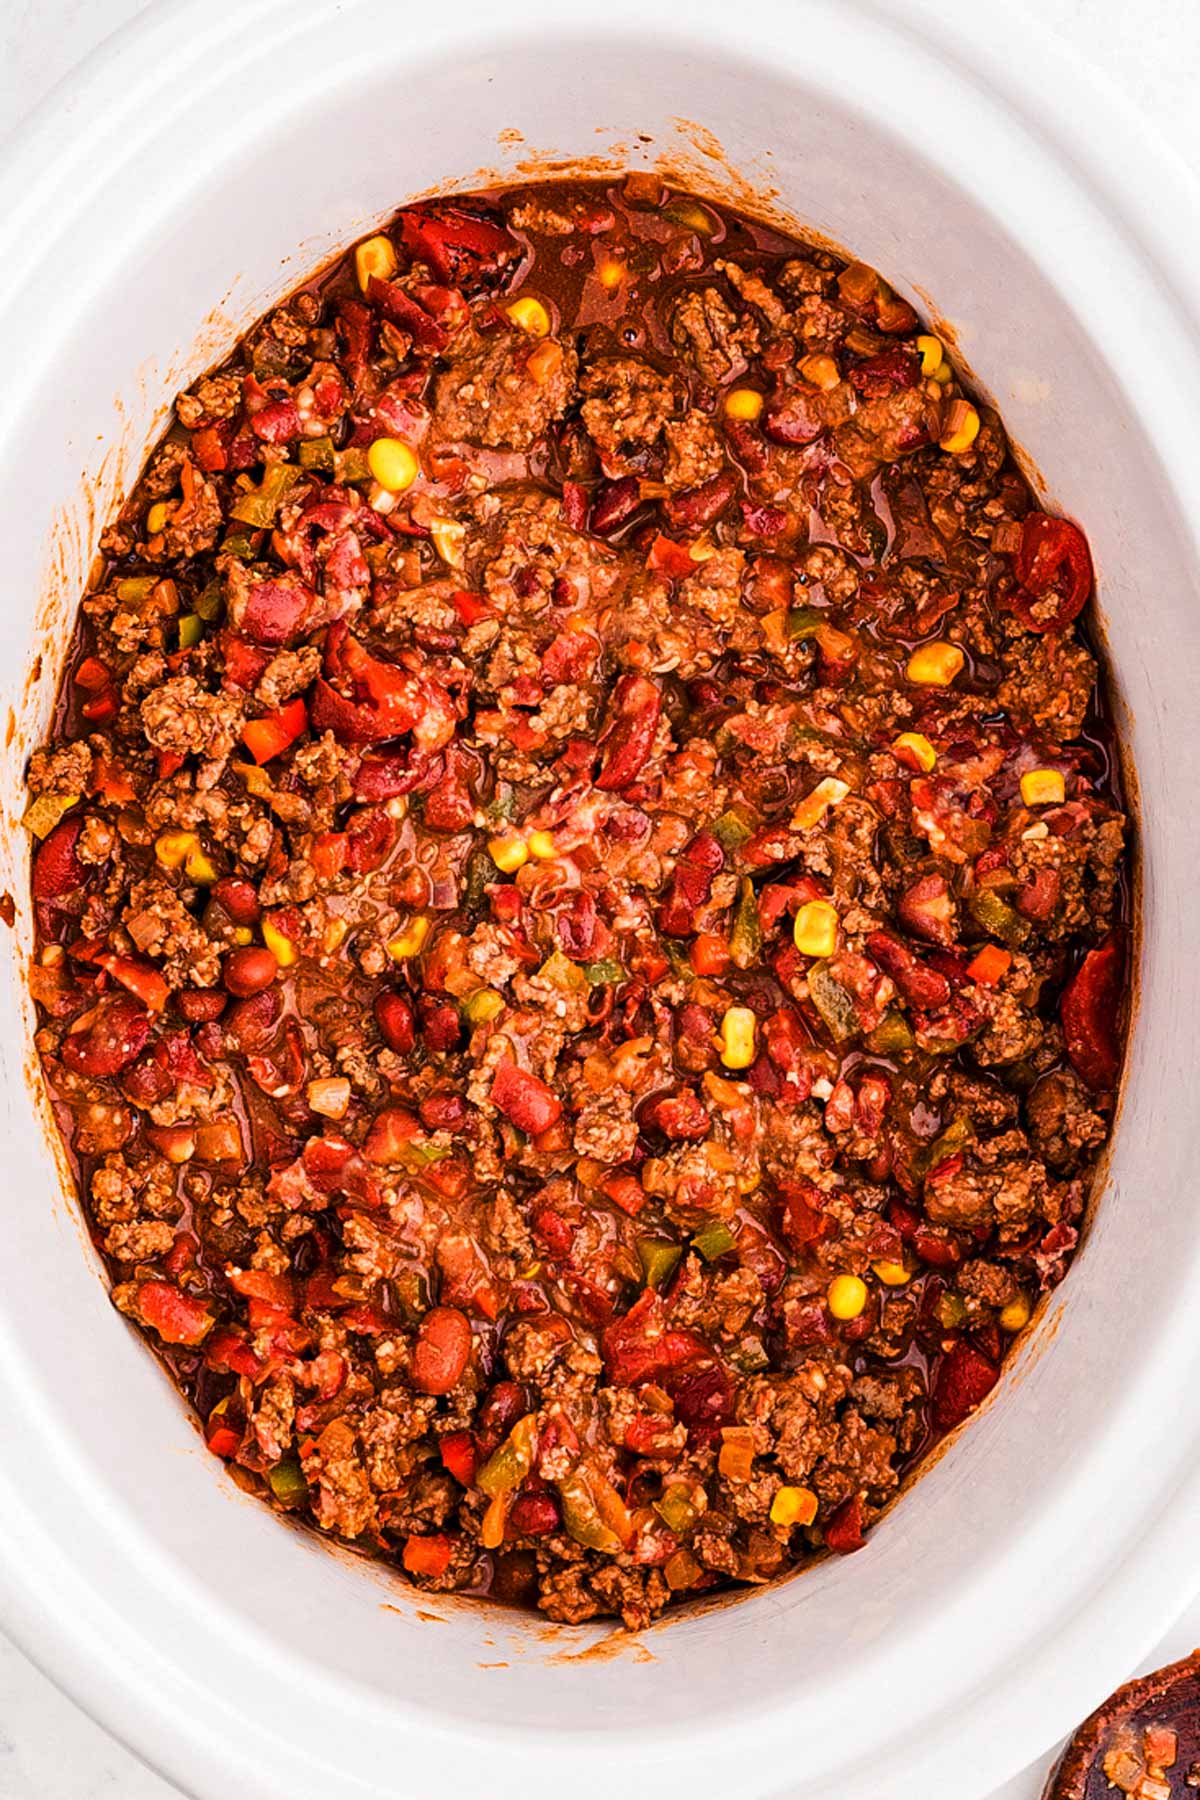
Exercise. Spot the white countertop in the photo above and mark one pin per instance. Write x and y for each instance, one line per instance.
(49, 1749)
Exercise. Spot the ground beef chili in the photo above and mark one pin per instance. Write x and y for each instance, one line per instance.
(579, 881)
(1144, 1741)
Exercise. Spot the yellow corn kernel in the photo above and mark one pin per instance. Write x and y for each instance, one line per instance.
(943, 374)
(484, 1006)
(847, 1296)
(794, 1506)
(814, 806)
(935, 664)
(280, 945)
(820, 371)
(542, 845)
(374, 256)
(448, 536)
(242, 935)
(918, 747)
(933, 353)
(1015, 1316)
(962, 428)
(610, 274)
(892, 1274)
(743, 403)
(816, 929)
(200, 868)
(173, 848)
(334, 935)
(329, 1095)
(156, 518)
(409, 941)
(1043, 787)
(508, 853)
(737, 1038)
(529, 316)
(392, 463)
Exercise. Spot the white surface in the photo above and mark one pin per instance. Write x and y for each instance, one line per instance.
(56, 1753)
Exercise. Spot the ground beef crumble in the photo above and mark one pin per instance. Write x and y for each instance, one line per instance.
(581, 895)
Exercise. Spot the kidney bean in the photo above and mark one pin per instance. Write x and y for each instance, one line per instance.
(699, 506)
(525, 1099)
(533, 1515)
(691, 884)
(927, 910)
(396, 1021)
(919, 985)
(249, 970)
(442, 1350)
(616, 502)
(201, 1004)
(680, 1116)
(116, 1034)
(964, 1379)
(238, 898)
(443, 1112)
(251, 1023)
(441, 1026)
(56, 868)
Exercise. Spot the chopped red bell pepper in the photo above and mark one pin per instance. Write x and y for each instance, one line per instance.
(271, 735)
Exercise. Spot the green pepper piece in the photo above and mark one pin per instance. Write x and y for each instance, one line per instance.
(805, 621)
(745, 938)
(318, 453)
(677, 956)
(605, 973)
(287, 1483)
(892, 1036)
(503, 803)
(833, 1003)
(676, 1508)
(583, 1498)
(998, 918)
(714, 1241)
(957, 1135)
(135, 587)
(241, 544)
(951, 1311)
(211, 602)
(43, 814)
(352, 465)
(507, 1467)
(735, 827)
(561, 972)
(191, 630)
(682, 211)
(259, 506)
(487, 1004)
(481, 872)
(659, 1258)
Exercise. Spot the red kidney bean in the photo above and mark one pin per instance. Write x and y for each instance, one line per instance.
(249, 970)
(114, 1037)
(441, 1351)
(238, 898)
(396, 1022)
(201, 1004)
(443, 1112)
(533, 1515)
(525, 1099)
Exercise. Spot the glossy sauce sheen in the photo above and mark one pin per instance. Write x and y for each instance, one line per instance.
(581, 1054)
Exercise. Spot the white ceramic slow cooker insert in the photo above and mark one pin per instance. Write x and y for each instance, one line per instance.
(200, 168)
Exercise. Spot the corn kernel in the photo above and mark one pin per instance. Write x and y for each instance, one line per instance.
(484, 1006)
(329, 1095)
(156, 518)
(409, 941)
(508, 853)
(892, 1274)
(962, 428)
(544, 361)
(334, 935)
(611, 274)
(173, 848)
(392, 463)
(200, 868)
(242, 935)
(1043, 787)
(529, 316)
(933, 353)
(820, 371)
(374, 256)
(737, 1038)
(935, 664)
(919, 749)
(816, 929)
(794, 1506)
(449, 536)
(814, 806)
(1016, 1315)
(743, 403)
(847, 1296)
(542, 845)
(279, 944)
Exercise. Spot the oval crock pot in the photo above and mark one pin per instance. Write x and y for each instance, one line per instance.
(212, 156)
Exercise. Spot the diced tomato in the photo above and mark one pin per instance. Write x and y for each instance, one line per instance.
(1090, 1009)
(844, 1532)
(1053, 565)
(964, 1379)
(178, 1318)
(140, 978)
(271, 735)
(428, 1556)
(671, 558)
(459, 1455)
(264, 1284)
